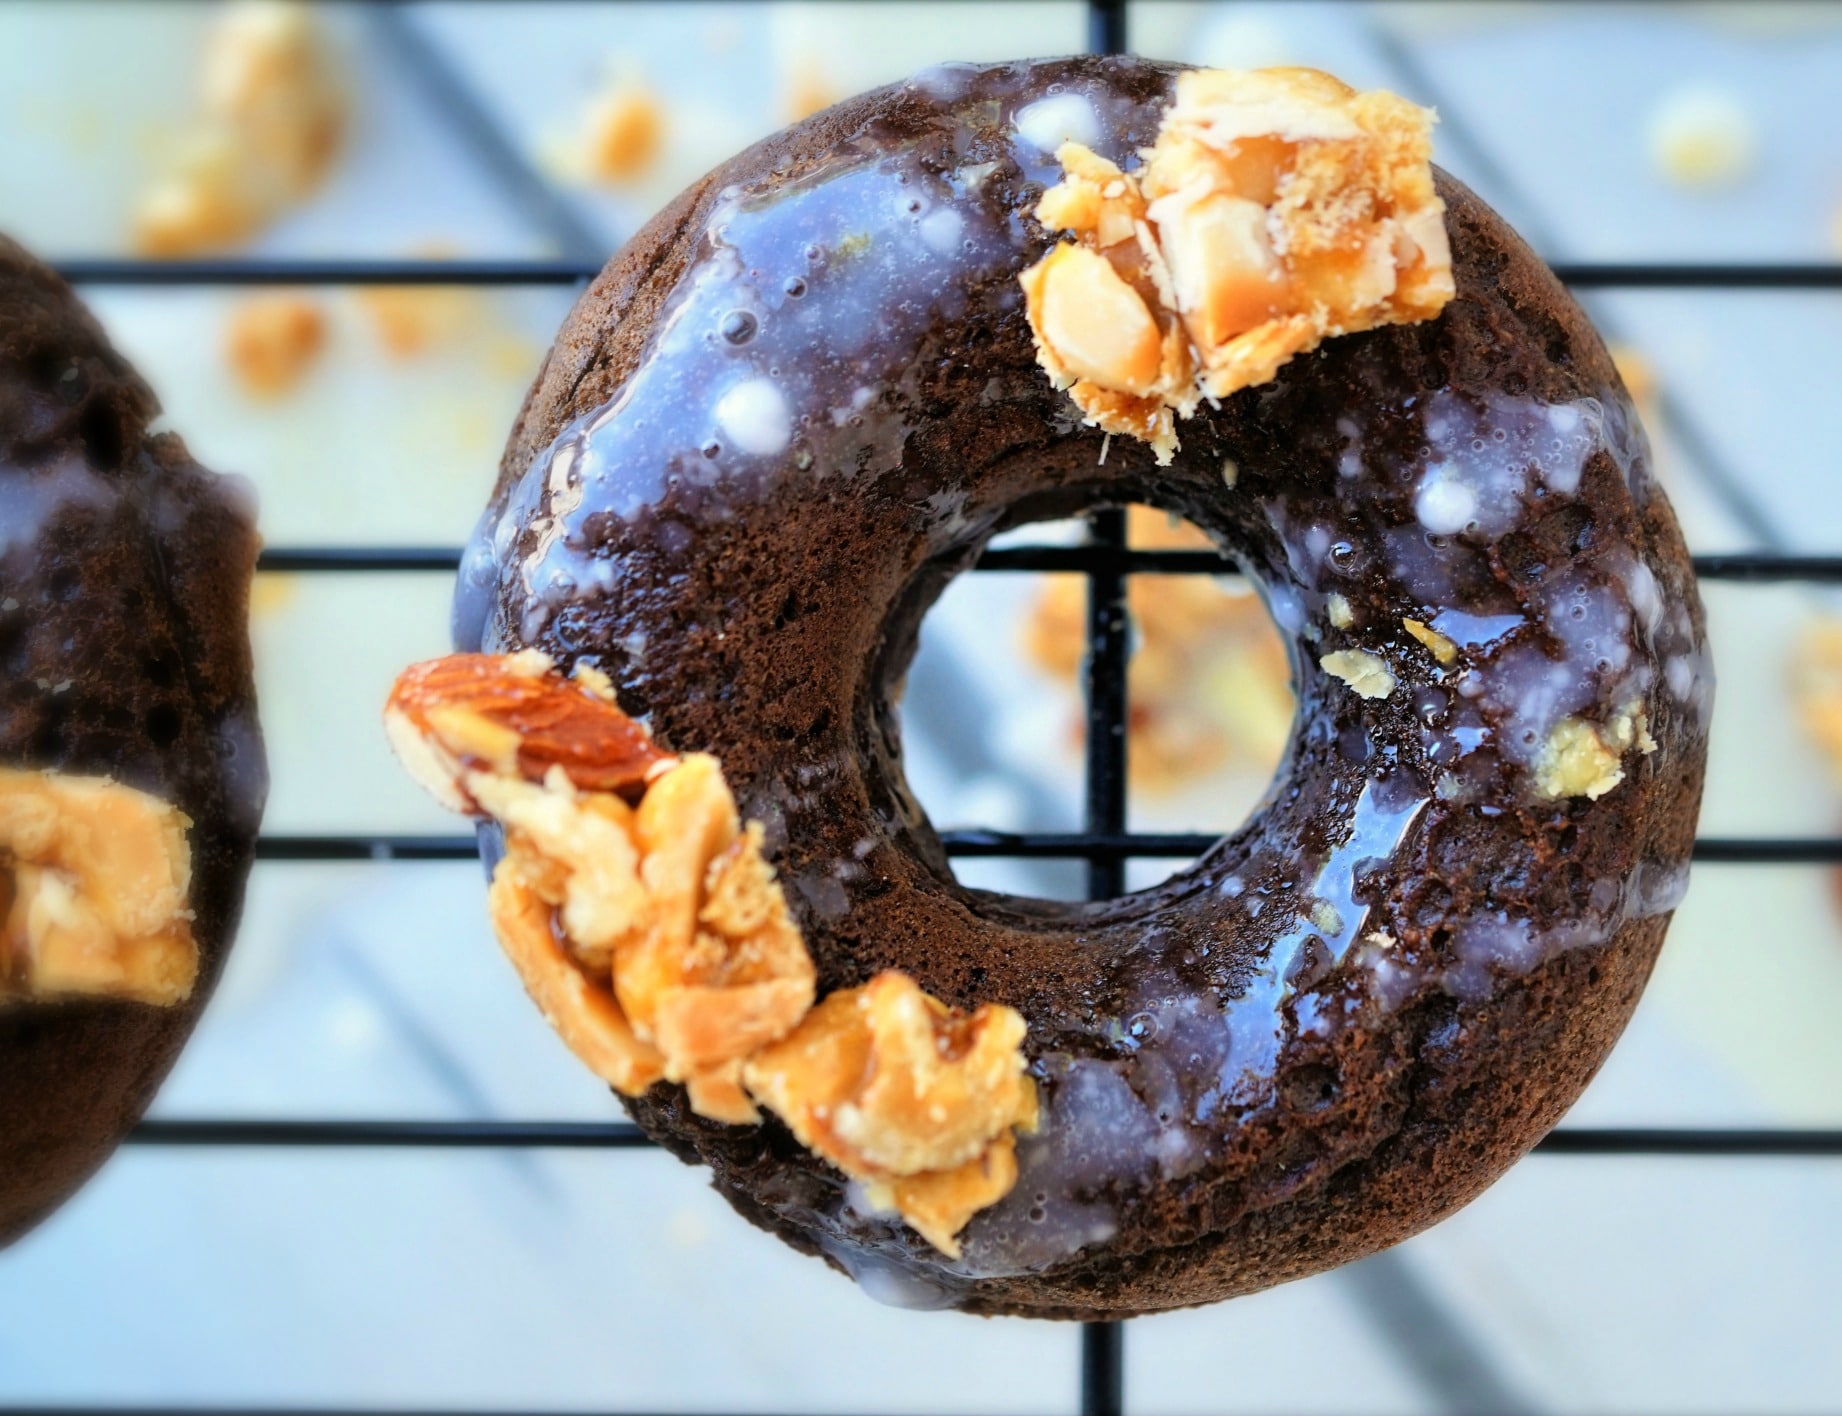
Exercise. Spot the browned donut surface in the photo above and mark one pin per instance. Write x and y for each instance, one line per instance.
(805, 396)
(124, 630)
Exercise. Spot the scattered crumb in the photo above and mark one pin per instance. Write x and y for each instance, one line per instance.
(513, 357)
(412, 320)
(273, 341)
(1816, 687)
(1338, 608)
(623, 133)
(807, 91)
(270, 594)
(272, 115)
(1639, 376)
(1702, 137)
(1209, 682)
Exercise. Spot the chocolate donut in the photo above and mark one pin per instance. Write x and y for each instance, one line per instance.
(806, 396)
(131, 768)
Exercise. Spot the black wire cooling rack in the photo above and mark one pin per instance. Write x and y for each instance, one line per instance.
(1104, 843)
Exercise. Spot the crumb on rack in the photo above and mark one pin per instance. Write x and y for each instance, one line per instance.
(1637, 373)
(1815, 675)
(271, 118)
(807, 90)
(623, 133)
(413, 320)
(1702, 137)
(271, 342)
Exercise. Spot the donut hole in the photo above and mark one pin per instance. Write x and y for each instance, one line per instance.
(994, 723)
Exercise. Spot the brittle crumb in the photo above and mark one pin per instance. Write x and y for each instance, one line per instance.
(898, 1090)
(647, 924)
(271, 119)
(272, 341)
(1278, 208)
(97, 881)
(1443, 649)
(623, 133)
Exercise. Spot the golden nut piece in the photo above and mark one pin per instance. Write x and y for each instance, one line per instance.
(900, 1092)
(647, 924)
(676, 957)
(623, 132)
(272, 341)
(271, 116)
(97, 877)
(1277, 209)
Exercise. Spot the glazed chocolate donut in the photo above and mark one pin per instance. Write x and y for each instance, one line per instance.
(131, 768)
(807, 395)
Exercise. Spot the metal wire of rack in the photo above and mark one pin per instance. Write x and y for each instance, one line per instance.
(1104, 843)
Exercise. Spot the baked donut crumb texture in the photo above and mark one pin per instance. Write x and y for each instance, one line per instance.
(648, 926)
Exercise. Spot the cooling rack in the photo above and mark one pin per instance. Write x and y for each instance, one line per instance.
(1104, 843)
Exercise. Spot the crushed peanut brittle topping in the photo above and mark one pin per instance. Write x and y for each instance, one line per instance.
(896, 1089)
(1582, 758)
(98, 878)
(1442, 648)
(646, 922)
(1277, 209)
